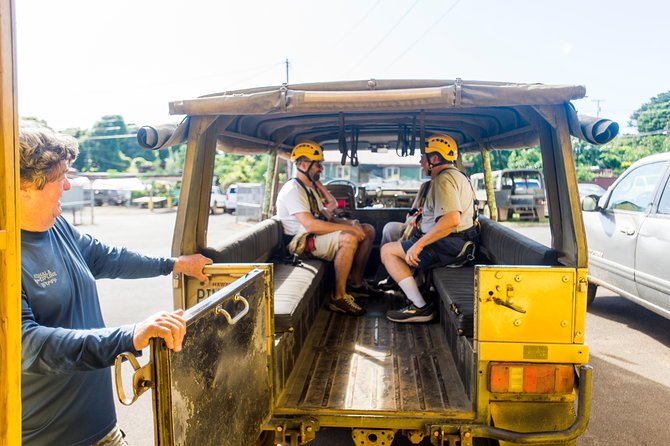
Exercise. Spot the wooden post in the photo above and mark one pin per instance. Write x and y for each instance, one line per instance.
(270, 184)
(10, 236)
(490, 195)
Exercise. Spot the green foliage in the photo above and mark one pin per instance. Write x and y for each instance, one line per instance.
(499, 160)
(653, 115)
(530, 158)
(240, 168)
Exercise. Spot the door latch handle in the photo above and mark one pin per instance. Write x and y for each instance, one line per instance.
(234, 320)
(508, 304)
(141, 378)
(627, 231)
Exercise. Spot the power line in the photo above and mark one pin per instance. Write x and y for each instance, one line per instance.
(424, 33)
(386, 35)
(356, 25)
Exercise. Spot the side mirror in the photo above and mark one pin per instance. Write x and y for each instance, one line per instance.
(590, 203)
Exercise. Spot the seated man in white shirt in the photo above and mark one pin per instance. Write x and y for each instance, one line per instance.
(312, 231)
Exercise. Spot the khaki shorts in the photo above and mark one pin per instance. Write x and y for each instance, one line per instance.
(325, 245)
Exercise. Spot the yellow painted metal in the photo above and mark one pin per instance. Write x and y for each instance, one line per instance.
(522, 304)
(10, 261)
(534, 352)
(533, 417)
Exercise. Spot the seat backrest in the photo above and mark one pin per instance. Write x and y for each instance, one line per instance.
(505, 246)
(255, 244)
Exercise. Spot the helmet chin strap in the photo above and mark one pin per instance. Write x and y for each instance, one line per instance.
(306, 172)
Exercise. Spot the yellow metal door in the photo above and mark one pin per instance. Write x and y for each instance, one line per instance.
(218, 389)
(10, 314)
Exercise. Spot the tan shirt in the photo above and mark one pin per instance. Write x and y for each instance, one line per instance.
(450, 191)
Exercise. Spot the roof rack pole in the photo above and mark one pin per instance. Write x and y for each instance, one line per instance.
(422, 130)
(490, 196)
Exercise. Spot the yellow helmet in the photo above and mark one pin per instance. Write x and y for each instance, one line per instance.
(443, 144)
(308, 149)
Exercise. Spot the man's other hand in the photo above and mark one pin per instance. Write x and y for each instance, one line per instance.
(170, 327)
(192, 265)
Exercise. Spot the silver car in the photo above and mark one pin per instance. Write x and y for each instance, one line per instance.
(628, 234)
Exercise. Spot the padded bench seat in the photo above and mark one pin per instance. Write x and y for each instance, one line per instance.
(499, 245)
(295, 286)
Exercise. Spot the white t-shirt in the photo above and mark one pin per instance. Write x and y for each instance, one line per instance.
(450, 191)
(292, 199)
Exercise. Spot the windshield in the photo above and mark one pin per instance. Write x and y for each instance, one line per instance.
(382, 168)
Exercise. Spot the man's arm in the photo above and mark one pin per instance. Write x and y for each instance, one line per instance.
(444, 226)
(316, 226)
(331, 202)
(56, 350)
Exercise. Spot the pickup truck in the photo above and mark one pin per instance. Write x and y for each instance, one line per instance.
(517, 191)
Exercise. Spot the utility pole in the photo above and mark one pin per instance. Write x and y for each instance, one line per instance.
(286, 63)
(597, 101)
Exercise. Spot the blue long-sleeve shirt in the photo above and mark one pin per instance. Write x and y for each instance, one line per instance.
(66, 387)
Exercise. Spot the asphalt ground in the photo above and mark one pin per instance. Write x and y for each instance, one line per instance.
(629, 345)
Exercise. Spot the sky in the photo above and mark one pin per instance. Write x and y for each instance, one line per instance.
(78, 60)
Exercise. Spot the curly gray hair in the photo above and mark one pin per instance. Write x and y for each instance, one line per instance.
(41, 152)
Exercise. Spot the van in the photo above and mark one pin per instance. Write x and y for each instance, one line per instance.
(265, 362)
(517, 192)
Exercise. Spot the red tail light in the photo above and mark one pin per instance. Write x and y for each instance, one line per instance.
(531, 378)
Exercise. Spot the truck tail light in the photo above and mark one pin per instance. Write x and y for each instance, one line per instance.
(531, 378)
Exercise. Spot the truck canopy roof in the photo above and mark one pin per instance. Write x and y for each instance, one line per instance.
(379, 112)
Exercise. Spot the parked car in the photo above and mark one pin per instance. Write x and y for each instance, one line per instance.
(628, 237)
(216, 200)
(230, 202)
(111, 197)
(590, 189)
(517, 191)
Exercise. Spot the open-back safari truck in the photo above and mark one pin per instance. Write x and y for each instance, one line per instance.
(264, 362)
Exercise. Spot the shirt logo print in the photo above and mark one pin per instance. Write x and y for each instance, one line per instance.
(45, 278)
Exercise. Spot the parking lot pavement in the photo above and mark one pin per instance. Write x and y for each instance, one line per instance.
(129, 301)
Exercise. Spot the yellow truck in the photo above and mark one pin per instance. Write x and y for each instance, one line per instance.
(264, 361)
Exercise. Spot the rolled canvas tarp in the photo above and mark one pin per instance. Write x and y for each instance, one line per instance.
(591, 129)
(165, 135)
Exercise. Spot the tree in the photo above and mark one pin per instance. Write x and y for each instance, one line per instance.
(653, 115)
(100, 150)
(236, 168)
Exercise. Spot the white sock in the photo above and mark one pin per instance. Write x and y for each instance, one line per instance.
(411, 290)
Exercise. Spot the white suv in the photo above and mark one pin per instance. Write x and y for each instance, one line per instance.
(628, 237)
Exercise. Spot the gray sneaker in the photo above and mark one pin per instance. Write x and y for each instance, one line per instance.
(412, 314)
(346, 305)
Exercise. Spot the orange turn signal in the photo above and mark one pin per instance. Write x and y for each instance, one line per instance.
(531, 378)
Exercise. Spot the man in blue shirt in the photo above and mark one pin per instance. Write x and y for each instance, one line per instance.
(66, 386)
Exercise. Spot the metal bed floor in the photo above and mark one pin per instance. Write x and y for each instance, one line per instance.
(371, 364)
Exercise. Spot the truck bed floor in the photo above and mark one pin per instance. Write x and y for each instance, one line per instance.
(369, 363)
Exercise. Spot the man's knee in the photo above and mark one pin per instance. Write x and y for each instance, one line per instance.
(391, 250)
(348, 241)
(369, 231)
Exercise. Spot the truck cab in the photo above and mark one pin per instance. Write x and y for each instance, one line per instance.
(265, 362)
(517, 192)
